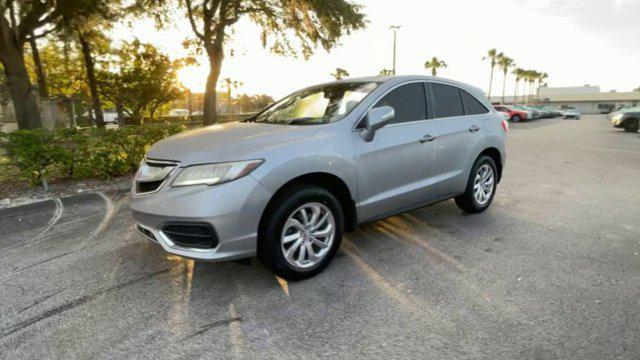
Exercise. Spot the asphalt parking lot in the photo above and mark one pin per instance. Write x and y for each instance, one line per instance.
(551, 270)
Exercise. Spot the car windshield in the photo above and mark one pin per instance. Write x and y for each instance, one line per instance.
(317, 105)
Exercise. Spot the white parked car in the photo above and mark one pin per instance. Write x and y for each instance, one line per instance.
(179, 112)
(570, 113)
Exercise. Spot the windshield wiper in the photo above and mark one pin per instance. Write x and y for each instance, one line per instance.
(300, 120)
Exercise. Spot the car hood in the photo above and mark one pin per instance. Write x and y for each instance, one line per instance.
(228, 142)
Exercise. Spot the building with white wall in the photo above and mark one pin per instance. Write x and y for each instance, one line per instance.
(586, 99)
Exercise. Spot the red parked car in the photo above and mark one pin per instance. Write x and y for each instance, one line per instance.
(514, 115)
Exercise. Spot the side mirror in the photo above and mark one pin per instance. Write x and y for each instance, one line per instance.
(376, 119)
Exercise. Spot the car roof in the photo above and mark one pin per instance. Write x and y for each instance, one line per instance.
(403, 78)
(399, 79)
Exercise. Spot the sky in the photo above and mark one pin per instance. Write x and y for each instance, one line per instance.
(576, 42)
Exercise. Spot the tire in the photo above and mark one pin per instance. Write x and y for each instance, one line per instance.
(516, 118)
(632, 125)
(468, 201)
(280, 225)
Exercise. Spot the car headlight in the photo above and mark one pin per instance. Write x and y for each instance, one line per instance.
(213, 174)
(618, 117)
(153, 171)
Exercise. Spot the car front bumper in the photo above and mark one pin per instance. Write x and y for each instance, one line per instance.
(232, 209)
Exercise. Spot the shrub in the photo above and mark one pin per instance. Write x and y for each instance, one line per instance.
(82, 154)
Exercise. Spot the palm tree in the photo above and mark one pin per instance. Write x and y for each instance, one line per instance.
(340, 74)
(526, 78)
(543, 76)
(533, 75)
(434, 64)
(386, 72)
(519, 73)
(492, 55)
(505, 63)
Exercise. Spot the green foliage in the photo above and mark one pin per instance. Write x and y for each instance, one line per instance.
(340, 74)
(310, 22)
(64, 69)
(32, 151)
(434, 64)
(141, 79)
(82, 154)
(252, 103)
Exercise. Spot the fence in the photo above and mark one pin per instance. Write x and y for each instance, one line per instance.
(72, 112)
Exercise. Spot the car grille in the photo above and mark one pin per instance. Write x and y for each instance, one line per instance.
(151, 175)
(191, 235)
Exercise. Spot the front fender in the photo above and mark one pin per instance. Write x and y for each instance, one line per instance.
(285, 164)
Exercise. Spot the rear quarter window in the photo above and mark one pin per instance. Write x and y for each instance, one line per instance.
(471, 105)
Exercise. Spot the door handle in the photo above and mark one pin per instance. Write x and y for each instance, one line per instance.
(474, 128)
(427, 138)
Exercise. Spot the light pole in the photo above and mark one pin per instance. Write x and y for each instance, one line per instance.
(395, 30)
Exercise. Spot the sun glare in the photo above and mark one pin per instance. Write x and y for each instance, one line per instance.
(193, 78)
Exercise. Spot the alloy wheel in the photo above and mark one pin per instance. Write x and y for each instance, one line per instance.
(483, 184)
(307, 235)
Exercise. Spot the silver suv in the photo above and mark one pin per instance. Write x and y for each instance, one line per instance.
(285, 184)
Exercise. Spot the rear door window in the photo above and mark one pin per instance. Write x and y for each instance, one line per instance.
(447, 101)
(408, 101)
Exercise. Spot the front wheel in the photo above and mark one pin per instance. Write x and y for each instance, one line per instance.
(516, 118)
(481, 186)
(632, 126)
(302, 232)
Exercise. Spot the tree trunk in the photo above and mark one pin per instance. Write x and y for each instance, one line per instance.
(23, 94)
(515, 94)
(210, 110)
(531, 93)
(42, 80)
(504, 83)
(490, 83)
(91, 79)
(120, 111)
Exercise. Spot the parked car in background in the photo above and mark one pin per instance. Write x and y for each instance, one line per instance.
(544, 112)
(512, 113)
(533, 114)
(627, 119)
(285, 183)
(570, 113)
(553, 111)
(605, 108)
(182, 113)
(110, 117)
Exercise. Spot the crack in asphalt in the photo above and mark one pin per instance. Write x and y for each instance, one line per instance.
(40, 300)
(75, 303)
(207, 327)
(44, 261)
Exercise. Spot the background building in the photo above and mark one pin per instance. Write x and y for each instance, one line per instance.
(586, 99)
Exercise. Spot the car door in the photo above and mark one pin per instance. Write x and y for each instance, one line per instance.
(395, 170)
(458, 131)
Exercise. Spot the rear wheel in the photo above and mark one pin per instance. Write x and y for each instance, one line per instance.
(516, 118)
(481, 186)
(632, 125)
(302, 233)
